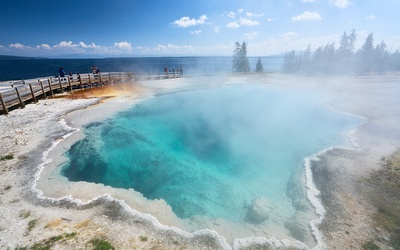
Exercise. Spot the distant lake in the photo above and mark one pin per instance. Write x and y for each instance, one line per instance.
(28, 68)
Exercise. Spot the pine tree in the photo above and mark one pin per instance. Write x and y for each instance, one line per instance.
(289, 64)
(259, 66)
(240, 62)
(366, 54)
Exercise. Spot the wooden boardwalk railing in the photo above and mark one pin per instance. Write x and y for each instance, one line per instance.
(15, 94)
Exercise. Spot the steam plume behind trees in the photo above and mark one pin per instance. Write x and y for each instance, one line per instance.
(345, 59)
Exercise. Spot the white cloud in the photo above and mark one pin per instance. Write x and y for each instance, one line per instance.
(123, 46)
(18, 46)
(240, 11)
(249, 14)
(68, 47)
(231, 14)
(307, 16)
(340, 3)
(371, 17)
(173, 49)
(195, 32)
(251, 36)
(216, 29)
(247, 22)
(308, 1)
(65, 44)
(233, 25)
(185, 21)
(92, 45)
(242, 22)
(44, 46)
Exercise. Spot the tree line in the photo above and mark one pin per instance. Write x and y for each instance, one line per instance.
(345, 59)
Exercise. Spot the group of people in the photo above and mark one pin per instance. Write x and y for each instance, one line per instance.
(94, 69)
(177, 72)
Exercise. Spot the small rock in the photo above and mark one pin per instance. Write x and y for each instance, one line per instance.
(260, 209)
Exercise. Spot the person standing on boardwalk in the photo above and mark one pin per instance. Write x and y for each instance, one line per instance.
(181, 71)
(166, 72)
(62, 72)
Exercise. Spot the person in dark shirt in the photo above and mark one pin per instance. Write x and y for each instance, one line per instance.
(62, 72)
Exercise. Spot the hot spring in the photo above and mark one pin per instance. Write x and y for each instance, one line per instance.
(233, 154)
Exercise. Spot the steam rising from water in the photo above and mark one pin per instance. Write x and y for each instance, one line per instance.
(213, 152)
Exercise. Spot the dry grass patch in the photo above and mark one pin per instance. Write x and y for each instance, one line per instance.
(83, 224)
(54, 223)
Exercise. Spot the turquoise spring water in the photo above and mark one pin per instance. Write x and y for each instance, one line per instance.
(209, 152)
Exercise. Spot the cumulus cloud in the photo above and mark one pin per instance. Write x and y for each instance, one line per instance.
(307, 16)
(185, 21)
(242, 22)
(123, 46)
(68, 47)
(65, 44)
(233, 25)
(92, 45)
(18, 46)
(247, 22)
(216, 29)
(44, 46)
(340, 3)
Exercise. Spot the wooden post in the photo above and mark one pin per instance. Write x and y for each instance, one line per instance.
(19, 98)
(109, 75)
(61, 88)
(80, 80)
(90, 82)
(69, 83)
(101, 81)
(3, 104)
(41, 85)
(51, 90)
(33, 93)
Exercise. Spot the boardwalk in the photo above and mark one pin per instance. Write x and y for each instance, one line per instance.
(15, 94)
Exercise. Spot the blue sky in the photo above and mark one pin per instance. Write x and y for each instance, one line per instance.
(189, 27)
